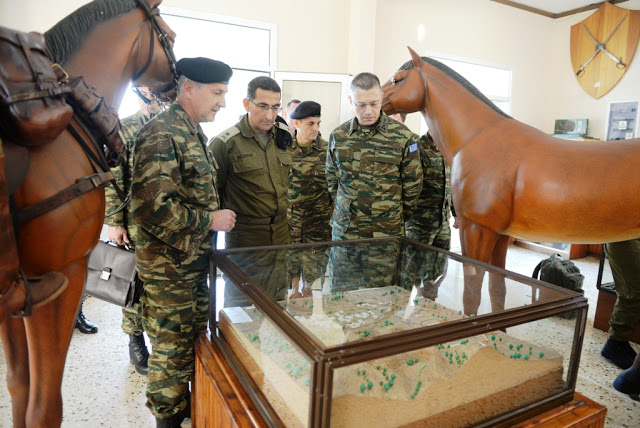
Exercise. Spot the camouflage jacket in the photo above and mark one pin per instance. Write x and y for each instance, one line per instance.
(131, 125)
(253, 179)
(374, 176)
(433, 208)
(174, 196)
(309, 201)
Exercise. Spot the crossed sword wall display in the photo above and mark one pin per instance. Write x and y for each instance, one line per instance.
(602, 47)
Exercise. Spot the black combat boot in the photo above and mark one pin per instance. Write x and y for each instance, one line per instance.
(174, 421)
(619, 353)
(84, 325)
(138, 354)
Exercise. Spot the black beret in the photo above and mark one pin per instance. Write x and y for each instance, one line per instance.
(204, 70)
(305, 109)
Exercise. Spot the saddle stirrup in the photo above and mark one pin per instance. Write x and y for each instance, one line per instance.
(40, 290)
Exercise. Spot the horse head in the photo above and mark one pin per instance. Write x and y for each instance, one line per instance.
(162, 83)
(406, 91)
(112, 42)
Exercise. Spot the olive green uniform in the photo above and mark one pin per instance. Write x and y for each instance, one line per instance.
(174, 197)
(429, 223)
(131, 317)
(374, 176)
(309, 208)
(624, 258)
(253, 181)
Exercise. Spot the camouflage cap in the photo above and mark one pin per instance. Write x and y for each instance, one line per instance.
(204, 70)
(305, 109)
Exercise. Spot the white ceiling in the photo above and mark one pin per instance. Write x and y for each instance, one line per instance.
(556, 6)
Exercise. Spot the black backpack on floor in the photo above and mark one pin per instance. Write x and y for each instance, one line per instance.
(559, 271)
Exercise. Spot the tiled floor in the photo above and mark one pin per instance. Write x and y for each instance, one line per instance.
(101, 388)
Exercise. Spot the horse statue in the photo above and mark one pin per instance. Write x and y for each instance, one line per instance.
(510, 179)
(108, 43)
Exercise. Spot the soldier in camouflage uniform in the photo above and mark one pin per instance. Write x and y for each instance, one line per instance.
(254, 158)
(429, 223)
(122, 229)
(309, 201)
(176, 207)
(374, 177)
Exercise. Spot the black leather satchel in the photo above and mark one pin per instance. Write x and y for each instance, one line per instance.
(112, 275)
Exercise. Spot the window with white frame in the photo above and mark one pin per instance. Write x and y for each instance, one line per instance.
(493, 81)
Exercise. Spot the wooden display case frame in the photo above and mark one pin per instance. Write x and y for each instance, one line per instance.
(325, 359)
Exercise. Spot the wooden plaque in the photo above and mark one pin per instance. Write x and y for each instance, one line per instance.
(615, 29)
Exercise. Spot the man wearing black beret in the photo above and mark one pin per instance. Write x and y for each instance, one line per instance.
(309, 200)
(177, 209)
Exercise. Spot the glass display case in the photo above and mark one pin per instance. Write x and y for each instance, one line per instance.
(389, 332)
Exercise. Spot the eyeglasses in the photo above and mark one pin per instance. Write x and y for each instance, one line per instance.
(363, 106)
(265, 107)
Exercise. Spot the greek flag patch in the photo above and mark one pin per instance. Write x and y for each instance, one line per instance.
(413, 147)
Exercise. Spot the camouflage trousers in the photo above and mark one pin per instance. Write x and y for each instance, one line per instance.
(368, 265)
(425, 267)
(132, 320)
(624, 258)
(173, 313)
(308, 264)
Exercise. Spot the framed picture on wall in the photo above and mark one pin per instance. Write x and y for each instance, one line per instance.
(622, 120)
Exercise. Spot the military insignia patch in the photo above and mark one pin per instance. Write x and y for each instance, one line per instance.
(413, 147)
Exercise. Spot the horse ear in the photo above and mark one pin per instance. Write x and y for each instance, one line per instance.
(415, 57)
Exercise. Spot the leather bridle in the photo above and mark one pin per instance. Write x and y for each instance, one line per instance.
(152, 15)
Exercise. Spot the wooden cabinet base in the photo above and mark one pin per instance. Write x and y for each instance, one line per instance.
(219, 400)
(581, 412)
(604, 309)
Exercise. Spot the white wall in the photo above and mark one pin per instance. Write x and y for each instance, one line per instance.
(535, 47)
(349, 36)
(567, 99)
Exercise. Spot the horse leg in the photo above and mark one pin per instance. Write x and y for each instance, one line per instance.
(14, 343)
(477, 243)
(16, 293)
(48, 345)
(497, 286)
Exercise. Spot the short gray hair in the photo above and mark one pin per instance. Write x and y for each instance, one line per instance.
(365, 81)
(184, 79)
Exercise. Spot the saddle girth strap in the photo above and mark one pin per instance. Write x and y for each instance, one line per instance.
(83, 185)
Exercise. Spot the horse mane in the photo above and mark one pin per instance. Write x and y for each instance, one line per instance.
(456, 76)
(63, 38)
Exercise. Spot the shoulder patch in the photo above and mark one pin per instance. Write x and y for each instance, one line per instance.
(283, 126)
(226, 135)
(413, 147)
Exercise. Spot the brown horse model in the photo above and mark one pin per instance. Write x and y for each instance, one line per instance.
(510, 179)
(108, 43)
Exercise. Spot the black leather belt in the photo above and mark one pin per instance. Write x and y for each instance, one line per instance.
(245, 219)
